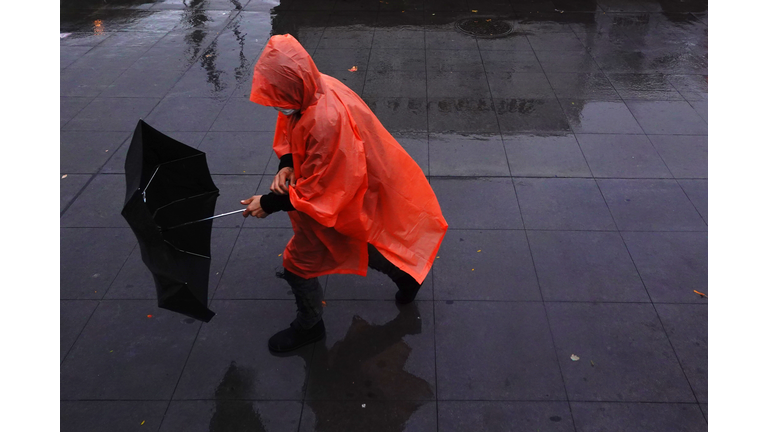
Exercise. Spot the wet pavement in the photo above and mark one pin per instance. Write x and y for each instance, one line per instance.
(569, 157)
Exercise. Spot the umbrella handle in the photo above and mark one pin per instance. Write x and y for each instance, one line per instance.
(205, 219)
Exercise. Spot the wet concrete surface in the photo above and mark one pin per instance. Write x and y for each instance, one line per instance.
(570, 160)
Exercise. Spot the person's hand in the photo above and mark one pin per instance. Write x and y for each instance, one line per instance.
(254, 207)
(278, 183)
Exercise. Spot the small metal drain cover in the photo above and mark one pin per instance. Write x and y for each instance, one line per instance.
(484, 27)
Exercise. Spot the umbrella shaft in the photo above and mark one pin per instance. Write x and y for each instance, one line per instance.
(205, 219)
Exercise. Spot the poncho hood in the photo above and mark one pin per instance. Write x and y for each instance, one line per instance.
(286, 76)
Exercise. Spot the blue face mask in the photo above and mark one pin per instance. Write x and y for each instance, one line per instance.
(286, 111)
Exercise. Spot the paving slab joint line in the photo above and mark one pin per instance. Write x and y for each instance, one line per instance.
(658, 316)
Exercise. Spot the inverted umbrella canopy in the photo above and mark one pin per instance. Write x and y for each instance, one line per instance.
(168, 185)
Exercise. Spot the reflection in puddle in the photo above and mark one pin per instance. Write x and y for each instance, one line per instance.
(361, 382)
(234, 413)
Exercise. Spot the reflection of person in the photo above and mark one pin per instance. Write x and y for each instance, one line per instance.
(355, 198)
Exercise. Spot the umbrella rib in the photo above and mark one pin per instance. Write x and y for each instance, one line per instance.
(203, 220)
(182, 199)
(185, 251)
(157, 168)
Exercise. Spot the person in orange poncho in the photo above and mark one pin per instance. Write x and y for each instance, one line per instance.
(354, 196)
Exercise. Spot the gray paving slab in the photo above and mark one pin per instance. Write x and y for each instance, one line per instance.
(69, 107)
(685, 155)
(237, 152)
(118, 416)
(563, 204)
(667, 117)
(567, 61)
(650, 205)
(230, 414)
(531, 155)
(686, 326)
(112, 114)
(73, 315)
(463, 116)
(691, 87)
(696, 190)
(539, 116)
(340, 58)
(69, 187)
(596, 116)
(99, 204)
(485, 265)
(702, 109)
(519, 85)
(501, 416)
(464, 207)
(85, 152)
(672, 265)
(133, 83)
(116, 162)
(622, 156)
(510, 61)
(234, 343)
(457, 84)
(653, 86)
(374, 351)
(130, 350)
(507, 354)
(251, 268)
(467, 155)
(406, 416)
(398, 38)
(645, 370)
(585, 266)
(638, 416)
(401, 114)
(180, 113)
(586, 86)
(87, 82)
(91, 258)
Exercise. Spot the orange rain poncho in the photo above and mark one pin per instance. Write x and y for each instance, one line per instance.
(354, 182)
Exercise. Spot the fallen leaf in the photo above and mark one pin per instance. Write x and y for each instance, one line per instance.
(323, 303)
(473, 269)
(701, 294)
(279, 254)
(574, 357)
(64, 176)
(479, 250)
(488, 20)
(593, 363)
(149, 316)
(474, 10)
(353, 69)
(142, 423)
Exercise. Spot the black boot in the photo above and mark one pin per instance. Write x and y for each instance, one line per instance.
(407, 288)
(295, 337)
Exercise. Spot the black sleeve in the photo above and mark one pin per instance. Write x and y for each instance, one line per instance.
(286, 161)
(273, 202)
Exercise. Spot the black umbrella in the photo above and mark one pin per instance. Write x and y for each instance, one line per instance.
(169, 202)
